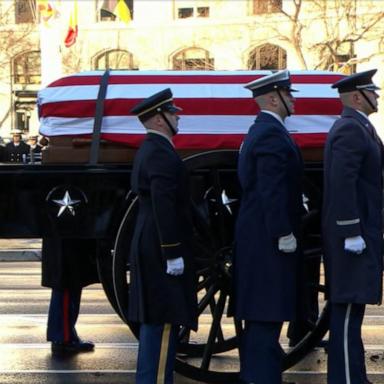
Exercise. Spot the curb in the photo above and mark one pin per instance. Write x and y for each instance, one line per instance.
(20, 255)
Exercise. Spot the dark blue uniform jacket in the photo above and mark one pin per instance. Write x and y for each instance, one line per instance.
(353, 206)
(163, 231)
(270, 173)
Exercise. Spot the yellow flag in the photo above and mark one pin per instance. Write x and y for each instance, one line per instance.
(122, 11)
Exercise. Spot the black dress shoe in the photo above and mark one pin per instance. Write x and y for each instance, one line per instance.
(72, 347)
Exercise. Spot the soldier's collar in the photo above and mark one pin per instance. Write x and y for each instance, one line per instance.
(275, 115)
(161, 134)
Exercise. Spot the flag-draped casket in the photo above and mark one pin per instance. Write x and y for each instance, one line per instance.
(217, 109)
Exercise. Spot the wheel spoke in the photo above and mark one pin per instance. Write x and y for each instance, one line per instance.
(207, 298)
(218, 313)
(205, 283)
(213, 306)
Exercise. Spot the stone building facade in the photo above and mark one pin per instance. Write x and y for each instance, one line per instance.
(184, 35)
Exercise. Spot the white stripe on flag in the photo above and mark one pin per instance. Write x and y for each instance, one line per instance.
(188, 91)
(196, 124)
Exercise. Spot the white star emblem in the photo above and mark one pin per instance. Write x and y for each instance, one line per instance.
(66, 203)
(227, 201)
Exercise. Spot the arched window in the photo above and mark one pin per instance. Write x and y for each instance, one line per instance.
(193, 59)
(114, 59)
(27, 68)
(268, 56)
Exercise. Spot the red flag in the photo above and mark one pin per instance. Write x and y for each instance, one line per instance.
(72, 33)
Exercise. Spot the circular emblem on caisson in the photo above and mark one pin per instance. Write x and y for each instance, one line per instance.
(66, 207)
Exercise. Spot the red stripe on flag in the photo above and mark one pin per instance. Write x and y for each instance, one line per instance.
(205, 106)
(208, 142)
(310, 140)
(187, 79)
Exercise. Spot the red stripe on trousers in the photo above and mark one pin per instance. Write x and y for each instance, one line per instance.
(66, 324)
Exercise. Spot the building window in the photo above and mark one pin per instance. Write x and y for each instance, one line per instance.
(268, 56)
(107, 10)
(114, 59)
(267, 6)
(25, 11)
(27, 68)
(202, 11)
(184, 13)
(193, 59)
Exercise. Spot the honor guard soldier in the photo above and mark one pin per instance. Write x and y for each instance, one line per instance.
(16, 151)
(68, 265)
(34, 149)
(267, 256)
(352, 225)
(162, 295)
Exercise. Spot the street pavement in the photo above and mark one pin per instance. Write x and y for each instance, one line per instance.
(25, 355)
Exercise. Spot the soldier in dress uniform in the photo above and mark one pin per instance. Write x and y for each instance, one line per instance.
(267, 256)
(162, 292)
(34, 149)
(68, 265)
(16, 151)
(352, 225)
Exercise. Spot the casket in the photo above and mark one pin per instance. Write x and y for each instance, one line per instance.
(217, 111)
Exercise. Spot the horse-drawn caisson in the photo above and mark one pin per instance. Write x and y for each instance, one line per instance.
(81, 189)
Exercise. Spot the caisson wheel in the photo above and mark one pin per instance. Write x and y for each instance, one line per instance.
(211, 354)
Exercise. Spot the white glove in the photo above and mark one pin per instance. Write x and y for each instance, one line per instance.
(287, 244)
(175, 267)
(354, 244)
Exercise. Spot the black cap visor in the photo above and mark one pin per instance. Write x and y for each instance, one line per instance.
(171, 108)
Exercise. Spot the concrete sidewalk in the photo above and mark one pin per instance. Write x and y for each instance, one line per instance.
(20, 249)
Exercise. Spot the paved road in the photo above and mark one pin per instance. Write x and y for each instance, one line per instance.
(25, 355)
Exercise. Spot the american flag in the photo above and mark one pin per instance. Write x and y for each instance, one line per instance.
(217, 109)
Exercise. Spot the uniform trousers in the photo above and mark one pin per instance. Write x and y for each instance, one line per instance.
(261, 355)
(157, 352)
(346, 360)
(63, 312)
